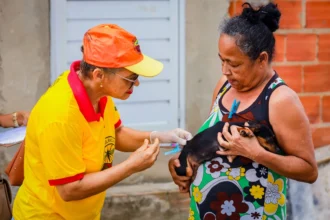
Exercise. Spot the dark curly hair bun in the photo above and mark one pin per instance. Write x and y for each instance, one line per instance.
(268, 14)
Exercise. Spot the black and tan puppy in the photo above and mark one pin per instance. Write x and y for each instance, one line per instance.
(204, 145)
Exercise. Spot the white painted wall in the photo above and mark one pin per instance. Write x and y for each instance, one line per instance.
(155, 104)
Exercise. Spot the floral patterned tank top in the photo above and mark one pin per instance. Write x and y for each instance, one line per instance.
(242, 189)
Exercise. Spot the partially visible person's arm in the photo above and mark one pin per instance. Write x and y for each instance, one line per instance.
(292, 130)
(8, 120)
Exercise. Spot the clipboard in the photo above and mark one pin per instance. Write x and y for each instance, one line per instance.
(12, 136)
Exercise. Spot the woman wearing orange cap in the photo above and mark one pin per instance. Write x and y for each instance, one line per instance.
(75, 128)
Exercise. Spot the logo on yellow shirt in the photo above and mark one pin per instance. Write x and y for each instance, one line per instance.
(109, 150)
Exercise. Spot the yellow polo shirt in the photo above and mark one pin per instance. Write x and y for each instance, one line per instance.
(65, 140)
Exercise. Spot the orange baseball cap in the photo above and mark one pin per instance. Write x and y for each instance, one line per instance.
(110, 46)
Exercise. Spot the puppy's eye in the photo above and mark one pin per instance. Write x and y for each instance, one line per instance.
(243, 133)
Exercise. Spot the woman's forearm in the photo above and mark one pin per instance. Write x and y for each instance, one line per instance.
(289, 166)
(95, 183)
(128, 139)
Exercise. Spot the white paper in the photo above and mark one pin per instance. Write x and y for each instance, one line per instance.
(12, 136)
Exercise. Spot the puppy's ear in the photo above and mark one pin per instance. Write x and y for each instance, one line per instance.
(189, 170)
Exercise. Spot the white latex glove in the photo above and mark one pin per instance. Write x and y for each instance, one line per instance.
(177, 135)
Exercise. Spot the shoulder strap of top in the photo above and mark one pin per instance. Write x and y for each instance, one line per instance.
(273, 84)
(224, 88)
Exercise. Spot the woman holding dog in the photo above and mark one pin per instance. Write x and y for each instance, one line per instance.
(254, 184)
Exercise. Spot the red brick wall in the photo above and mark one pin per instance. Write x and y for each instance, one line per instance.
(302, 58)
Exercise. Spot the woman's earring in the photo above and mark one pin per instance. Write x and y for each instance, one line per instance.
(101, 85)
